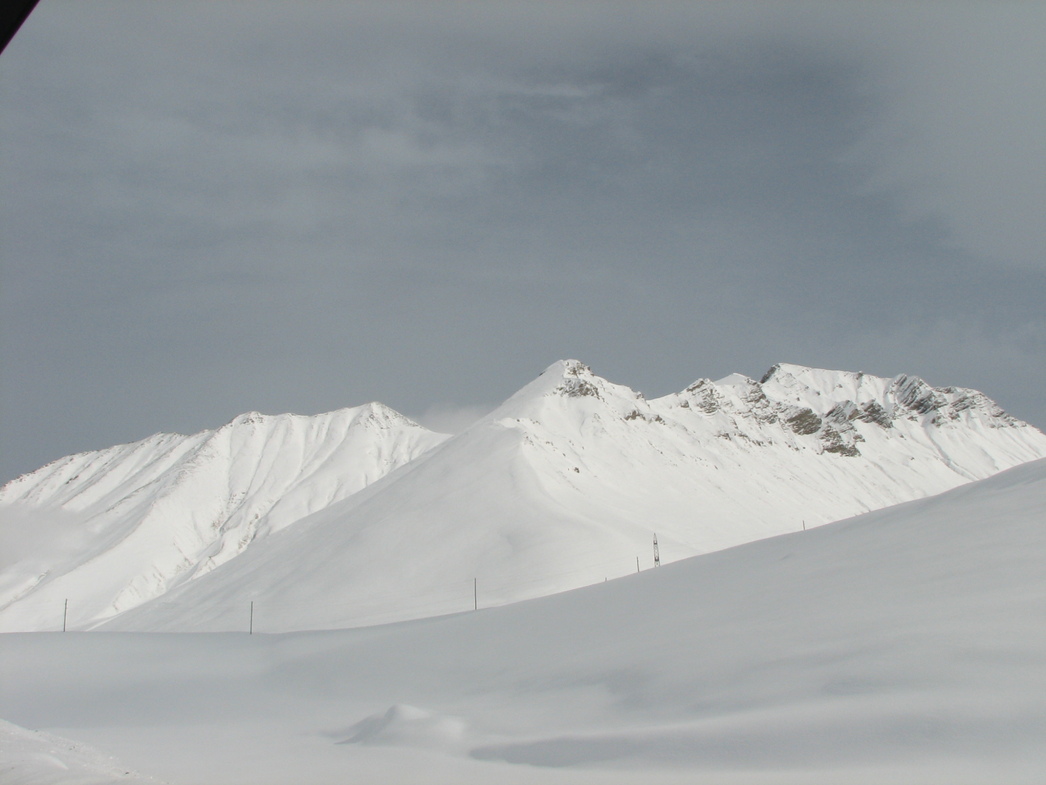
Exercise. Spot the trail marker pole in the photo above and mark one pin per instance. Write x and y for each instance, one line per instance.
(250, 630)
(475, 594)
(65, 614)
(657, 553)
(637, 564)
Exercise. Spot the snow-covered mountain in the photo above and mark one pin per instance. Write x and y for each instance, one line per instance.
(905, 645)
(563, 485)
(114, 528)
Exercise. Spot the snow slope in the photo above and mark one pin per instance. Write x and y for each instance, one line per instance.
(567, 482)
(29, 757)
(905, 645)
(114, 528)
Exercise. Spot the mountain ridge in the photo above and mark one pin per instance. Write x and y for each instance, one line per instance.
(186, 504)
(564, 484)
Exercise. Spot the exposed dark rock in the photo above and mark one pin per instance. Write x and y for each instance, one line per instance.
(875, 413)
(843, 413)
(804, 422)
(917, 396)
(835, 443)
(578, 388)
(635, 414)
(770, 374)
(705, 397)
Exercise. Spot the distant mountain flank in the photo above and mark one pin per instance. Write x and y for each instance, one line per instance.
(170, 508)
(362, 515)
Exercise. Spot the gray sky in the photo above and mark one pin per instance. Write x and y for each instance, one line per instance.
(213, 207)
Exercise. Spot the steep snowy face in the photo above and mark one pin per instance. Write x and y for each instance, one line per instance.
(155, 513)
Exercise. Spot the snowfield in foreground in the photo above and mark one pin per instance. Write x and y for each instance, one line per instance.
(905, 645)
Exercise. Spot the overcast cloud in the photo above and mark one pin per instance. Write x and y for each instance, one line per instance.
(216, 207)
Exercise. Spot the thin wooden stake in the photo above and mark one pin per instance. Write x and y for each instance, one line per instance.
(65, 614)
(475, 594)
(250, 630)
(637, 564)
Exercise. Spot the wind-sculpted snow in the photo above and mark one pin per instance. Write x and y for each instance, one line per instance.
(905, 645)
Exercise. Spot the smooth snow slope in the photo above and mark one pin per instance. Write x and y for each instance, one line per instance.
(111, 529)
(566, 483)
(905, 645)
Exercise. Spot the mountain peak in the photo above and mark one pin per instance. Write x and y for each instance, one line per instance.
(578, 380)
(247, 418)
(376, 410)
(566, 368)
